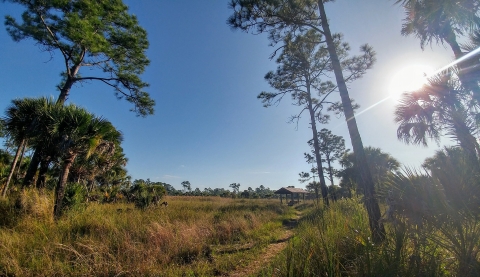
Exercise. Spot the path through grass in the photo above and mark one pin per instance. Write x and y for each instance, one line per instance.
(273, 249)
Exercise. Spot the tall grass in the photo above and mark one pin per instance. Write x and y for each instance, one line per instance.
(118, 240)
(336, 242)
(432, 221)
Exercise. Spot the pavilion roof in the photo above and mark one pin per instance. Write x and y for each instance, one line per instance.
(290, 190)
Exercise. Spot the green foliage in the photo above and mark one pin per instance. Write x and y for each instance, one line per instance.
(2, 129)
(331, 147)
(448, 104)
(186, 186)
(75, 195)
(235, 187)
(146, 194)
(381, 165)
(337, 242)
(439, 108)
(95, 34)
(285, 18)
(439, 20)
(442, 207)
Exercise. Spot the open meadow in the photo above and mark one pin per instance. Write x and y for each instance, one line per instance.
(209, 184)
(193, 236)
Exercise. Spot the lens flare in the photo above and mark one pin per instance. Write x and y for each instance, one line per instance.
(397, 90)
(408, 79)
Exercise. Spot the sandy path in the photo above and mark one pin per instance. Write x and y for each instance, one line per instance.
(269, 252)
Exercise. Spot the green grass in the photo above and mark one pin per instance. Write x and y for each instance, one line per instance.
(336, 242)
(185, 239)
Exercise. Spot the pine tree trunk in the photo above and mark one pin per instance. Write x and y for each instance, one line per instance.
(65, 91)
(330, 171)
(316, 147)
(12, 168)
(62, 184)
(371, 204)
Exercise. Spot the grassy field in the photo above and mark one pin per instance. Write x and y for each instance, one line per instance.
(193, 236)
(336, 242)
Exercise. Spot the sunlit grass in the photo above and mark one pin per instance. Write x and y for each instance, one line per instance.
(336, 242)
(187, 237)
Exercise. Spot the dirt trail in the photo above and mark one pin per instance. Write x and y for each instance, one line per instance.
(271, 251)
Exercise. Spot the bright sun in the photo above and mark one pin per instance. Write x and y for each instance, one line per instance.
(409, 78)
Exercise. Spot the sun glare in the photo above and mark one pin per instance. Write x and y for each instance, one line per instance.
(409, 78)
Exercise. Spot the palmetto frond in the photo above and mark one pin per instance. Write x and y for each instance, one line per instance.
(438, 20)
(438, 108)
(24, 117)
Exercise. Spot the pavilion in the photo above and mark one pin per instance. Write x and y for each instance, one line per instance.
(292, 191)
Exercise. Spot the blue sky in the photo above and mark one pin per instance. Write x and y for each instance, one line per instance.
(208, 127)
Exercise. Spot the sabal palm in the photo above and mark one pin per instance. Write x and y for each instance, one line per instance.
(446, 199)
(439, 20)
(113, 169)
(381, 165)
(446, 21)
(438, 108)
(22, 122)
(99, 166)
(80, 132)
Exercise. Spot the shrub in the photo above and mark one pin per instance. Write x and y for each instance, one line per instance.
(146, 195)
(75, 195)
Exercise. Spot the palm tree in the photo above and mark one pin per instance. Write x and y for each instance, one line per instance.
(80, 133)
(113, 171)
(21, 123)
(444, 204)
(438, 107)
(381, 165)
(105, 168)
(444, 21)
(439, 20)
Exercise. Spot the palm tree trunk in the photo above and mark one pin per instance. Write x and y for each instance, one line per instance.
(42, 173)
(371, 204)
(62, 184)
(12, 168)
(21, 159)
(467, 141)
(316, 147)
(36, 159)
(32, 169)
(469, 82)
(451, 39)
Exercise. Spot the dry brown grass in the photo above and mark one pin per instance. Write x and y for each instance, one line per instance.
(118, 240)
